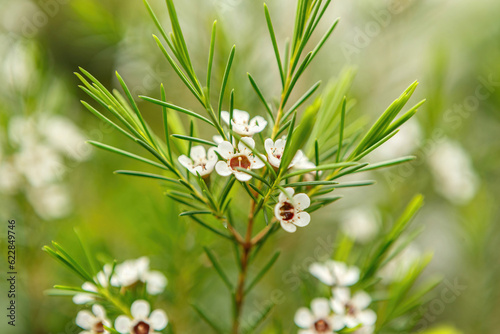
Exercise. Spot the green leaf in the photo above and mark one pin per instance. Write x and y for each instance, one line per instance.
(261, 96)
(225, 78)
(174, 107)
(146, 175)
(341, 132)
(211, 57)
(387, 163)
(401, 224)
(218, 268)
(275, 44)
(301, 100)
(321, 168)
(209, 321)
(125, 153)
(262, 272)
(136, 109)
(196, 140)
(312, 184)
(210, 228)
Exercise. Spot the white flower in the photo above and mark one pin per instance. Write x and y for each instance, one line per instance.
(143, 322)
(93, 322)
(242, 158)
(353, 310)
(218, 139)
(200, 161)
(454, 176)
(102, 278)
(40, 164)
(242, 124)
(397, 268)
(405, 142)
(65, 136)
(320, 320)
(131, 272)
(289, 210)
(335, 273)
(275, 151)
(300, 162)
(10, 179)
(50, 202)
(360, 225)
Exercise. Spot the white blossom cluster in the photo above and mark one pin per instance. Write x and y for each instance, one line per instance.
(127, 275)
(34, 158)
(347, 308)
(289, 210)
(37, 146)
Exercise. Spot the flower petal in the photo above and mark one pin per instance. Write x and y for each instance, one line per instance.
(301, 201)
(283, 197)
(322, 273)
(361, 300)
(351, 277)
(320, 307)
(289, 227)
(99, 311)
(155, 282)
(367, 317)
(240, 116)
(185, 161)
(82, 298)
(225, 149)
(337, 306)
(336, 322)
(223, 169)
(225, 116)
(250, 144)
(258, 162)
(258, 123)
(304, 318)
(269, 146)
(243, 177)
(217, 139)
(341, 294)
(140, 309)
(158, 319)
(122, 324)
(211, 156)
(85, 319)
(303, 219)
(198, 152)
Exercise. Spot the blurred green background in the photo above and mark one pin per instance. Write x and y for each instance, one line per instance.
(52, 182)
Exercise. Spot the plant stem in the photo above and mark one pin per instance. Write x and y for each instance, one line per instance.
(239, 296)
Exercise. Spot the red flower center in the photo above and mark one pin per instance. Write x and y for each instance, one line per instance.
(287, 211)
(240, 161)
(141, 328)
(321, 326)
(98, 327)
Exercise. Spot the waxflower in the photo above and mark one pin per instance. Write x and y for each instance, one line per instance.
(93, 322)
(289, 210)
(199, 161)
(275, 152)
(102, 278)
(318, 320)
(335, 273)
(131, 272)
(242, 124)
(143, 321)
(353, 310)
(242, 158)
